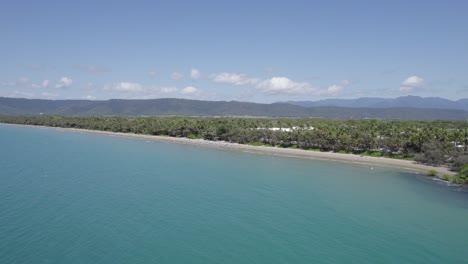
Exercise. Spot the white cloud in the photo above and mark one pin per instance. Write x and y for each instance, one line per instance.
(414, 81)
(234, 78)
(25, 82)
(64, 82)
(177, 76)
(189, 90)
(334, 89)
(126, 87)
(168, 89)
(129, 90)
(411, 83)
(279, 85)
(195, 74)
(283, 85)
(45, 83)
(406, 89)
(90, 97)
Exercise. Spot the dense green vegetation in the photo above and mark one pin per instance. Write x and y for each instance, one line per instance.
(429, 142)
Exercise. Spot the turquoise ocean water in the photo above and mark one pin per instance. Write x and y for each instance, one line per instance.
(68, 197)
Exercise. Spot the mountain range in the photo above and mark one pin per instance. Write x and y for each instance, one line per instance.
(184, 107)
(375, 102)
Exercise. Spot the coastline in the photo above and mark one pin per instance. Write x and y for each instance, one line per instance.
(285, 152)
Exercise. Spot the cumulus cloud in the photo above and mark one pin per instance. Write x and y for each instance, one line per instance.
(64, 82)
(195, 74)
(283, 85)
(44, 84)
(90, 97)
(334, 89)
(168, 90)
(234, 78)
(130, 90)
(279, 85)
(177, 76)
(411, 83)
(126, 87)
(189, 90)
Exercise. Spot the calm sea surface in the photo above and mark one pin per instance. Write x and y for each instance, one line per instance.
(69, 197)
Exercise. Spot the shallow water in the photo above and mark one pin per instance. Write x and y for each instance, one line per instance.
(69, 197)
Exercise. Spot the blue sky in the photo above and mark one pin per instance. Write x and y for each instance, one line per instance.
(261, 51)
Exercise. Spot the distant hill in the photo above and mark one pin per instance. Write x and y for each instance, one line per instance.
(375, 102)
(168, 106)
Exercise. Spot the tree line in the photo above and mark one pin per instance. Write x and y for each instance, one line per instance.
(429, 142)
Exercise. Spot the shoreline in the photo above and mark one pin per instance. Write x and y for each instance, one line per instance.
(284, 152)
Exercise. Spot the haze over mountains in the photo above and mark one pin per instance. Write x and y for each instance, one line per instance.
(184, 107)
(375, 102)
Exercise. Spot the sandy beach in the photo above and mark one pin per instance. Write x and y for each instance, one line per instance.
(298, 153)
